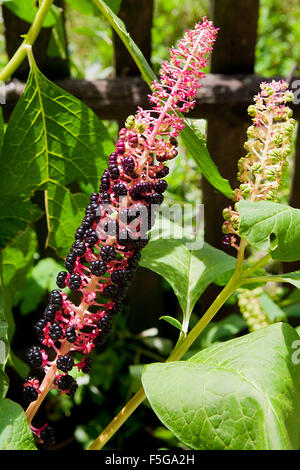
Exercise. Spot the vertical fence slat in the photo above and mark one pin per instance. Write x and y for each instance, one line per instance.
(233, 53)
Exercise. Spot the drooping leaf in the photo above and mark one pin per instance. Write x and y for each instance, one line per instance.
(195, 143)
(14, 430)
(271, 227)
(52, 139)
(237, 395)
(173, 321)
(188, 272)
(120, 28)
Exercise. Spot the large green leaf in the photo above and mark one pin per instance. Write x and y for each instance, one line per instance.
(271, 227)
(15, 215)
(195, 143)
(52, 139)
(14, 430)
(241, 394)
(188, 271)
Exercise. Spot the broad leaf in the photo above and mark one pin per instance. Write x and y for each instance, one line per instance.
(237, 395)
(271, 227)
(188, 272)
(195, 143)
(14, 430)
(52, 139)
(15, 215)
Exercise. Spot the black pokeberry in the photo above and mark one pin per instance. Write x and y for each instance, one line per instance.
(74, 281)
(71, 334)
(65, 382)
(108, 253)
(87, 365)
(65, 363)
(34, 356)
(98, 268)
(30, 394)
(61, 279)
(55, 331)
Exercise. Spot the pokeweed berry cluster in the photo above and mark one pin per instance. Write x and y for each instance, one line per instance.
(108, 243)
(269, 144)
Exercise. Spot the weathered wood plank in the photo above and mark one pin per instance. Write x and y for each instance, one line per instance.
(112, 98)
(137, 17)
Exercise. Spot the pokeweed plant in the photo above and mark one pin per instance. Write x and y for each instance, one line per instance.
(240, 394)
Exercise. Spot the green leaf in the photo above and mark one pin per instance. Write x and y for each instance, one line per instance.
(271, 227)
(57, 43)
(85, 7)
(15, 215)
(237, 395)
(52, 139)
(65, 213)
(17, 261)
(271, 309)
(27, 10)
(173, 321)
(20, 366)
(195, 143)
(188, 272)
(41, 280)
(222, 330)
(14, 430)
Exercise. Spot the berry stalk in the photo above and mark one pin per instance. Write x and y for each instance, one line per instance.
(108, 243)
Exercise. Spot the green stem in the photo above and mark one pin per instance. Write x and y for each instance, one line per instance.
(31, 36)
(180, 349)
(260, 263)
(263, 279)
